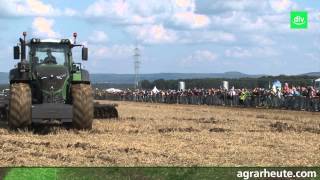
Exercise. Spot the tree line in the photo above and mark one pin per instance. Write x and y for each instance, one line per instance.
(262, 82)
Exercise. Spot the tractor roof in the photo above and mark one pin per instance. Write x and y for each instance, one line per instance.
(50, 40)
(62, 41)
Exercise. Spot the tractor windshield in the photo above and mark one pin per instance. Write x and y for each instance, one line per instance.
(50, 55)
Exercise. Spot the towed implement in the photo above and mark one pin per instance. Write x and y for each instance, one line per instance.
(48, 86)
(105, 111)
(4, 103)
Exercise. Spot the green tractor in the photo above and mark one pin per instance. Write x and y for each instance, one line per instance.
(47, 86)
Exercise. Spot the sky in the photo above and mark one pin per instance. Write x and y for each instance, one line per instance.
(174, 36)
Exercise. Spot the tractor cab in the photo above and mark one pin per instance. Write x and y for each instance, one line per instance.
(49, 54)
(52, 52)
(51, 67)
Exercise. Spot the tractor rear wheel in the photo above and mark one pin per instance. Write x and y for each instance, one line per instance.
(20, 105)
(82, 106)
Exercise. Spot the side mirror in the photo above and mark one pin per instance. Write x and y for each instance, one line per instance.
(16, 52)
(84, 54)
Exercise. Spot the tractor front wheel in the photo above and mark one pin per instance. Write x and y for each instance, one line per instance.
(82, 106)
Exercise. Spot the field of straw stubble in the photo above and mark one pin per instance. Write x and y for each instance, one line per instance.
(173, 135)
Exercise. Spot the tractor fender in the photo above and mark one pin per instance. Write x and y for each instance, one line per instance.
(16, 76)
(84, 78)
(85, 75)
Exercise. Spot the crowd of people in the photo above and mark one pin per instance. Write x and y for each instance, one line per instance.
(286, 97)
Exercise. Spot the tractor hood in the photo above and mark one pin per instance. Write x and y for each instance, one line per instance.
(52, 79)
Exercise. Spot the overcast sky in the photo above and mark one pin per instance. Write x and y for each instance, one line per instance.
(250, 36)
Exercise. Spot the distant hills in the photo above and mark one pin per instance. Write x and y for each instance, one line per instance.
(4, 78)
(129, 78)
(315, 74)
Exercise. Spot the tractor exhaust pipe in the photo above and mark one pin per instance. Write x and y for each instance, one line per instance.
(23, 46)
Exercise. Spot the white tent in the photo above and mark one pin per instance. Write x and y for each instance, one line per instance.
(317, 84)
(155, 90)
(113, 90)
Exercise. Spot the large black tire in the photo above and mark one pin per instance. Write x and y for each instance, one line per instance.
(20, 104)
(82, 98)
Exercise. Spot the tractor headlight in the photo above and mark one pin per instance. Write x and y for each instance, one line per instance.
(67, 41)
(34, 40)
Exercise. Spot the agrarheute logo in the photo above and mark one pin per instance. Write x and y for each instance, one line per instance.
(299, 20)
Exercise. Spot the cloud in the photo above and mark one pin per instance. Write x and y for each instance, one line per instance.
(282, 5)
(116, 52)
(256, 6)
(312, 56)
(185, 14)
(248, 22)
(153, 34)
(244, 21)
(158, 34)
(191, 20)
(251, 52)
(223, 6)
(18, 8)
(102, 8)
(185, 5)
(70, 12)
(265, 52)
(262, 40)
(43, 27)
(205, 36)
(179, 12)
(120, 12)
(238, 52)
(200, 56)
(34, 7)
(113, 58)
(98, 37)
(248, 16)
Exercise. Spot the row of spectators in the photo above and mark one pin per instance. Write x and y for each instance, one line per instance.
(295, 98)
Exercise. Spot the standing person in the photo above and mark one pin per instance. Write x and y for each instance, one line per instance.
(242, 97)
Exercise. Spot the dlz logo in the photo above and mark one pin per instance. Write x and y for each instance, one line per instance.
(299, 20)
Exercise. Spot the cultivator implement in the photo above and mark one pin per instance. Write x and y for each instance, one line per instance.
(105, 111)
(4, 102)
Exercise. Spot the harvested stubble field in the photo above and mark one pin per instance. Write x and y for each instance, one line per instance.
(173, 135)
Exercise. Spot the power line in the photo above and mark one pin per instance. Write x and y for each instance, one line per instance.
(136, 63)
